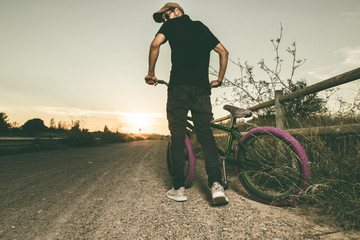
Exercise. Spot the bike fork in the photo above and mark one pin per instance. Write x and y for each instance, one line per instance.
(225, 182)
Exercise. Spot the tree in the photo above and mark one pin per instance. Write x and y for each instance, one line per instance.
(75, 125)
(305, 106)
(106, 129)
(62, 126)
(4, 123)
(34, 126)
(249, 91)
(52, 124)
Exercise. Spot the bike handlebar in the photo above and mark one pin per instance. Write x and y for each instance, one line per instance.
(166, 83)
(163, 82)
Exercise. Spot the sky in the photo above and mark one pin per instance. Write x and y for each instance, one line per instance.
(86, 59)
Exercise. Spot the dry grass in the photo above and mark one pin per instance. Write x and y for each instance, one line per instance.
(335, 171)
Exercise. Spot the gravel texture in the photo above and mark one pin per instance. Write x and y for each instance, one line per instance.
(118, 192)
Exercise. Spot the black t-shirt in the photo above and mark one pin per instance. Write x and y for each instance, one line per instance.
(191, 43)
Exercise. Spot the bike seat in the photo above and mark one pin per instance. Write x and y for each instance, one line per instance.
(238, 112)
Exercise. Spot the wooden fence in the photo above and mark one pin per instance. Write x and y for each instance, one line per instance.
(323, 85)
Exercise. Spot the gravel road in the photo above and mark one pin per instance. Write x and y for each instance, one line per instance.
(118, 192)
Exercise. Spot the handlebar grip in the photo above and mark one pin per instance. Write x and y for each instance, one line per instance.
(163, 82)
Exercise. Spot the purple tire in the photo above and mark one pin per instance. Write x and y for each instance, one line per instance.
(190, 162)
(273, 166)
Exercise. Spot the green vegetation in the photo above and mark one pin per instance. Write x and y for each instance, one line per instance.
(335, 167)
(335, 159)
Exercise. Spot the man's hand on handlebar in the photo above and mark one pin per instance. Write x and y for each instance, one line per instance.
(151, 80)
(215, 84)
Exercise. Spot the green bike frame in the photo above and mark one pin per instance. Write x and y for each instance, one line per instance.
(233, 131)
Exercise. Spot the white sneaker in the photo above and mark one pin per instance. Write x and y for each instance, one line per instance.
(177, 195)
(218, 195)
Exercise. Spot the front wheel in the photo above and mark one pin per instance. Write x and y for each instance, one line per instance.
(272, 165)
(190, 163)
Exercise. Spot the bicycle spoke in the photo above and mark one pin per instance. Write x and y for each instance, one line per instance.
(271, 166)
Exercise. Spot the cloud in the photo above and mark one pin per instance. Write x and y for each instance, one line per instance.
(77, 112)
(3, 109)
(355, 12)
(350, 59)
(351, 55)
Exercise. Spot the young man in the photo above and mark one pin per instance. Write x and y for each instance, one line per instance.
(189, 89)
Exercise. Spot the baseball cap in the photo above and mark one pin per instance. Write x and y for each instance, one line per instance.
(158, 15)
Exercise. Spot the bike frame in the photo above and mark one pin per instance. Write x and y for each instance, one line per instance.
(233, 132)
(228, 155)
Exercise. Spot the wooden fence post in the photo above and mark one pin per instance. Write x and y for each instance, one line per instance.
(279, 110)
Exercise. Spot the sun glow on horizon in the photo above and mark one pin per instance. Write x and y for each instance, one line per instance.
(140, 121)
(143, 122)
(95, 120)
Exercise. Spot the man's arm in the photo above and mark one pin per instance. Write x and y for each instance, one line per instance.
(153, 56)
(223, 57)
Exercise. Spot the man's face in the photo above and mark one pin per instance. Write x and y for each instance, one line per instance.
(169, 14)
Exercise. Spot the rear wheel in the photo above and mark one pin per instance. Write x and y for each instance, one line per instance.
(272, 165)
(190, 163)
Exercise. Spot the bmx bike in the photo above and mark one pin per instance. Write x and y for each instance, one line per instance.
(269, 162)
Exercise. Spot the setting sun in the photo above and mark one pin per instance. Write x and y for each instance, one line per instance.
(139, 121)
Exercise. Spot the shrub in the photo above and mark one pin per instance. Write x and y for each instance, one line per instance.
(335, 176)
(77, 138)
(4, 123)
(34, 126)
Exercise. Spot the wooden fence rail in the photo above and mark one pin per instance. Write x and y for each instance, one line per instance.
(323, 85)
